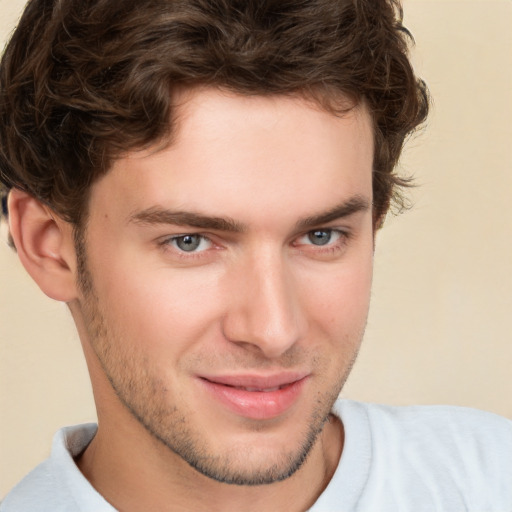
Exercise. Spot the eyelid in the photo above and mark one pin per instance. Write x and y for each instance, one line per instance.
(344, 234)
(165, 238)
(167, 243)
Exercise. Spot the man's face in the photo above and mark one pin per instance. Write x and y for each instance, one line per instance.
(227, 279)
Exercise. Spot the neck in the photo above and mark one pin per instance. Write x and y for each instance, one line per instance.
(133, 471)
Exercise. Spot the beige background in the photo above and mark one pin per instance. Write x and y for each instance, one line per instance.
(439, 329)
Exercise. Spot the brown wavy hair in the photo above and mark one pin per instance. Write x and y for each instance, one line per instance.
(82, 81)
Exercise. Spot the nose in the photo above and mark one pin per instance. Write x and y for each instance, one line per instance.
(264, 312)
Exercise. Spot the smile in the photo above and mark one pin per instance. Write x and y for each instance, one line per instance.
(257, 398)
(265, 390)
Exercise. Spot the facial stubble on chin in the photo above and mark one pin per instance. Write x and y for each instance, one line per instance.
(144, 397)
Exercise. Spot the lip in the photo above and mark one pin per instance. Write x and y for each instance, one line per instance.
(256, 397)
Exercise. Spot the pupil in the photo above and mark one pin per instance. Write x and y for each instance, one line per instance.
(188, 243)
(319, 237)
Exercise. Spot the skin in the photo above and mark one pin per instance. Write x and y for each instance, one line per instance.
(275, 287)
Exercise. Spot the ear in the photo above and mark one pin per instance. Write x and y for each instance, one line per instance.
(44, 243)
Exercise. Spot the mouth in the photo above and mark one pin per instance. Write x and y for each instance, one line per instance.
(256, 397)
(259, 390)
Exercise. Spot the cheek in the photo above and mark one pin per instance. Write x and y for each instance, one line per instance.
(338, 301)
(165, 309)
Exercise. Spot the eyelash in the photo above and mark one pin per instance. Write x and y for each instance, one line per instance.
(330, 231)
(167, 245)
(329, 248)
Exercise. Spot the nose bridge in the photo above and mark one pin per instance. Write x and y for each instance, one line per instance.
(266, 311)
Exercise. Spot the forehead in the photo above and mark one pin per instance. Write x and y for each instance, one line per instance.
(237, 155)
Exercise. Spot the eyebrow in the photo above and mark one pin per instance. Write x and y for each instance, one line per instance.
(158, 215)
(352, 206)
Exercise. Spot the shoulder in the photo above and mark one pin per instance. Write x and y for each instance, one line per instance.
(463, 434)
(57, 485)
(441, 454)
(439, 423)
(35, 492)
(446, 426)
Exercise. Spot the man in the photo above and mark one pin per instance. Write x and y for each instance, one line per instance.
(201, 183)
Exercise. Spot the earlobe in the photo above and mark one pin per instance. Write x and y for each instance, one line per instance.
(44, 243)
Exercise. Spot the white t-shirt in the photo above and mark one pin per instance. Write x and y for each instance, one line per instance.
(395, 459)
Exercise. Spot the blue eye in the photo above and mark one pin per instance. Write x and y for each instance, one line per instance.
(190, 243)
(325, 238)
(320, 236)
